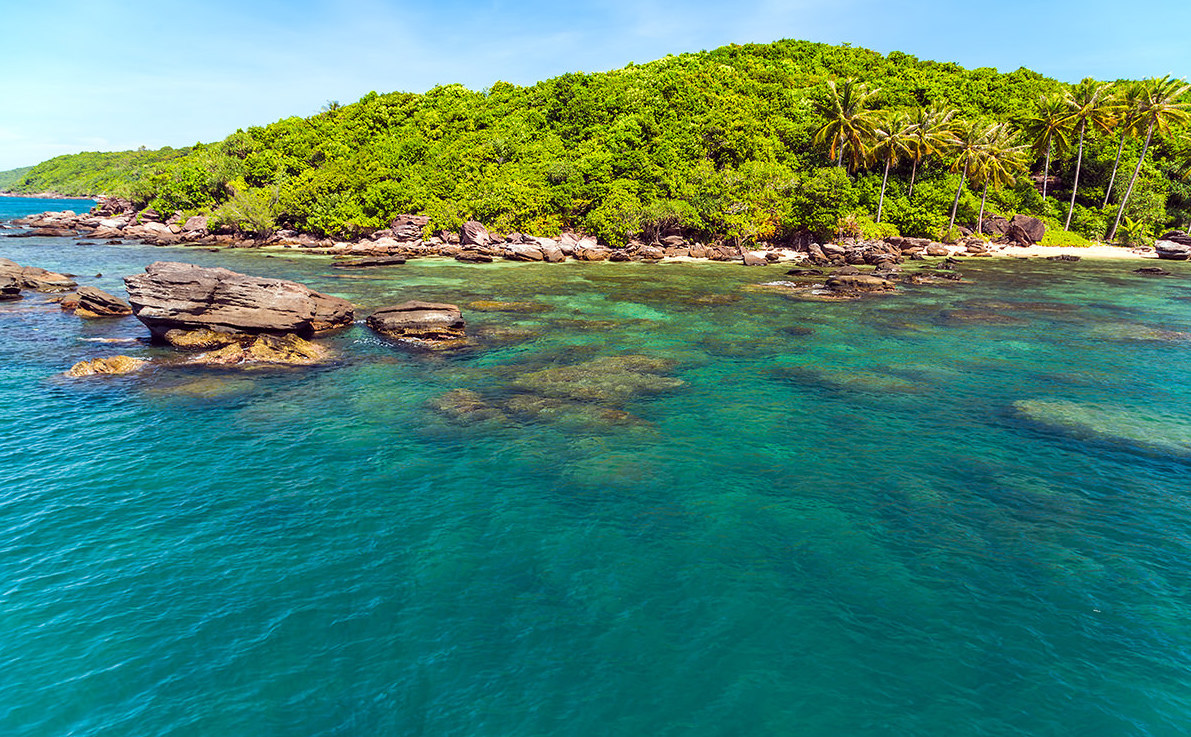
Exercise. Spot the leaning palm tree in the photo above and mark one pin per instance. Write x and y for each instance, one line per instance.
(969, 137)
(996, 162)
(850, 121)
(931, 135)
(1048, 130)
(1126, 104)
(891, 141)
(1160, 107)
(1087, 104)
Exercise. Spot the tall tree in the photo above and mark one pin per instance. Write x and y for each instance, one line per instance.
(1048, 130)
(1126, 104)
(850, 121)
(969, 137)
(1087, 104)
(891, 141)
(1160, 108)
(997, 161)
(930, 135)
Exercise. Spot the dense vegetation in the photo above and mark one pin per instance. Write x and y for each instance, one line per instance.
(744, 143)
(10, 179)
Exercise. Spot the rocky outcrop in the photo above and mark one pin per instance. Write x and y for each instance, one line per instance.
(90, 302)
(1172, 250)
(114, 365)
(425, 324)
(36, 279)
(172, 295)
(474, 234)
(1026, 230)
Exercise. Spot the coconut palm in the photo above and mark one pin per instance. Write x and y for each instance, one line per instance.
(1087, 104)
(1126, 104)
(969, 137)
(997, 161)
(1047, 129)
(1160, 108)
(891, 141)
(930, 135)
(850, 121)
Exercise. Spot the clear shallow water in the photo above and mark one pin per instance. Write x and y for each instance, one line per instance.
(873, 518)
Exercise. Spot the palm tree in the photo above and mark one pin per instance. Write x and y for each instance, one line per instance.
(1160, 107)
(1087, 104)
(1047, 129)
(930, 135)
(1126, 104)
(996, 162)
(891, 141)
(968, 140)
(850, 122)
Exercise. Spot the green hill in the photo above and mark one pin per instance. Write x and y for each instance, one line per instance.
(718, 143)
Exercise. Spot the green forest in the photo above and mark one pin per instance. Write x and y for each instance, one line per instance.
(743, 144)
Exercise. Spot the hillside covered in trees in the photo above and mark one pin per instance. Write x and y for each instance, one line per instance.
(746, 144)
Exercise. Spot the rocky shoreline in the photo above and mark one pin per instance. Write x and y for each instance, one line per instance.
(118, 220)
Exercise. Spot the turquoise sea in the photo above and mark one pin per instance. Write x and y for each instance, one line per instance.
(960, 510)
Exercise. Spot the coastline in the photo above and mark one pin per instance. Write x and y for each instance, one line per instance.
(49, 196)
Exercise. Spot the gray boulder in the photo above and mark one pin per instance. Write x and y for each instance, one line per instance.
(172, 295)
(1172, 250)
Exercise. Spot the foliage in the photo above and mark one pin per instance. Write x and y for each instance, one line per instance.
(737, 144)
(1057, 237)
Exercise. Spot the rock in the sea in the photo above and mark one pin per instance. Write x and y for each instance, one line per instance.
(1151, 430)
(427, 324)
(172, 295)
(106, 366)
(858, 283)
(36, 279)
(90, 302)
(1152, 271)
(1172, 250)
(10, 289)
(610, 380)
(364, 263)
(283, 350)
(203, 339)
(487, 305)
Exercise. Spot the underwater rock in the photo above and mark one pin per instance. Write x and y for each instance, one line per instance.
(466, 405)
(858, 283)
(487, 305)
(1151, 430)
(1152, 271)
(611, 379)
(172, 295)
(202, 339)
(426, 324)
(365, 263)
(115, 365)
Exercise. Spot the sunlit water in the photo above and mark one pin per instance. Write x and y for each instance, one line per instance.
(957, 510)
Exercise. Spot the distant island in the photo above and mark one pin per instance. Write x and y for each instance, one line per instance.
(748, 146)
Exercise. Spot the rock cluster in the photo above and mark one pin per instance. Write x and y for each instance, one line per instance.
(35, 278)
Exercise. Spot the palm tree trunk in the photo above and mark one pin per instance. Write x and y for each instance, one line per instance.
(1132, 180)
(955, 205)
(1115, 164)
(1075, 182)
(913, 172)
(980, 220)
(839, 161)
(881, 202)
(1046, 169)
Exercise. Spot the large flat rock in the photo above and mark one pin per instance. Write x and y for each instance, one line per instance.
(172, 295)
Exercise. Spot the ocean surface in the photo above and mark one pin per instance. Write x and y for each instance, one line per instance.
(656, 500)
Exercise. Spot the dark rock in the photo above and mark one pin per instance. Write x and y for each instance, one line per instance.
(994, 225)
(173, 295)
(1032, 228)
(1152, 271)
(806, 272)
(91, 302)
(10, 289)
(473, 257)
(364, 263)
(848, 270)
(620, 256)
(1063, 257)
(428, 324)
(474, 234)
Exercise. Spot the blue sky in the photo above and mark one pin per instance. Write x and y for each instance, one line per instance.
(86, 75)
